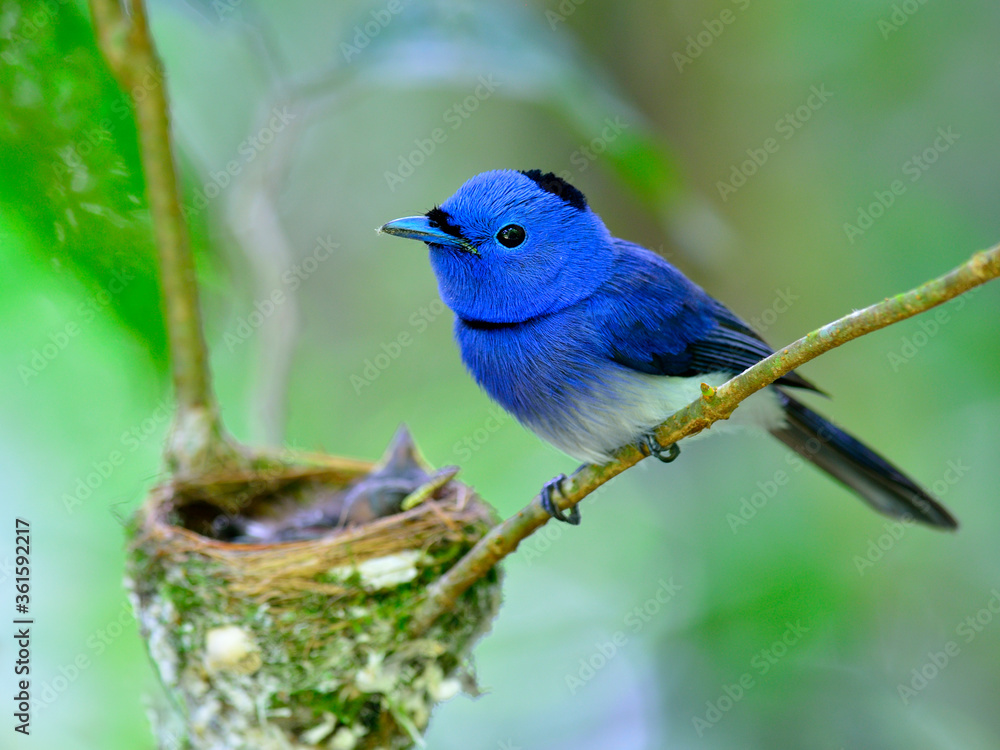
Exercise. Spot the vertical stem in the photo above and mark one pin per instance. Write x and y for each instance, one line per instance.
(198, 440)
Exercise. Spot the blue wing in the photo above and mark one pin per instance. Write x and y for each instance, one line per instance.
(673, 327)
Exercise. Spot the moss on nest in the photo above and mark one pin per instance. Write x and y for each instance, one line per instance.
(303, 644)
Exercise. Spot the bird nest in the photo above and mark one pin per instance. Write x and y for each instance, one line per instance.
(275, 622)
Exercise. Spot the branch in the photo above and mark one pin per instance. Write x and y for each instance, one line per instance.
(197, 440)
(714, 404)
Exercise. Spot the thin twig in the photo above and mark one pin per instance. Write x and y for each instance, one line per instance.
(714, 404)
(198, 440)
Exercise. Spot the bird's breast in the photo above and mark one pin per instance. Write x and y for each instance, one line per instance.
(553, 375)
(555, 378)
(534, 369)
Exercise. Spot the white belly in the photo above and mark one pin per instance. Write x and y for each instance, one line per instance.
(635, 402)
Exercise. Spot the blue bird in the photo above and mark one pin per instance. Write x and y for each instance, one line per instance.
(592, 341)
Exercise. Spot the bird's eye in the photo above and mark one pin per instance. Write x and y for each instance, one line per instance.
(511, 235)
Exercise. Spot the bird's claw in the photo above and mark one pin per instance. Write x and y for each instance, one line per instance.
(666, 455)
(552, 487)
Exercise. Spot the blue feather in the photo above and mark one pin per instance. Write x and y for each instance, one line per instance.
(592, 341)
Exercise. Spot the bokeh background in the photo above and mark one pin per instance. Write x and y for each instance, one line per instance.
(730, 600)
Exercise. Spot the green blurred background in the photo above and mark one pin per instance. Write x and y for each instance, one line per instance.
(687, 611)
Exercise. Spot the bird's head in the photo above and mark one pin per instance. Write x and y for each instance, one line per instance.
(510, 246)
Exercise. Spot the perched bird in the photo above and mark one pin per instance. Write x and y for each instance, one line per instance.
(592, 341)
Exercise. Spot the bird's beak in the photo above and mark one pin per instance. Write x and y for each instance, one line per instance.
(420, 228)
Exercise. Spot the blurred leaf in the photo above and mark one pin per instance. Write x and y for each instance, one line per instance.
(69, 163)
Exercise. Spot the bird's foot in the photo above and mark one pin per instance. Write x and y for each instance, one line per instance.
(652, 445)
(552, 488)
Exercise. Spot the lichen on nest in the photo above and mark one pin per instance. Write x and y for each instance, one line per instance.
(303, 644)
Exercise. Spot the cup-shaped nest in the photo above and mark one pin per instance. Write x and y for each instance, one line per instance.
(266, 643)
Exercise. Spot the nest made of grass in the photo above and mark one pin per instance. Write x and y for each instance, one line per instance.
(454, 517)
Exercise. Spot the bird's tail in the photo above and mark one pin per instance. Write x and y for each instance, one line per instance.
(877, 481)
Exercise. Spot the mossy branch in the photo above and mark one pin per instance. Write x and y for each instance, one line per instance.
(714, 404)
(198, 441)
